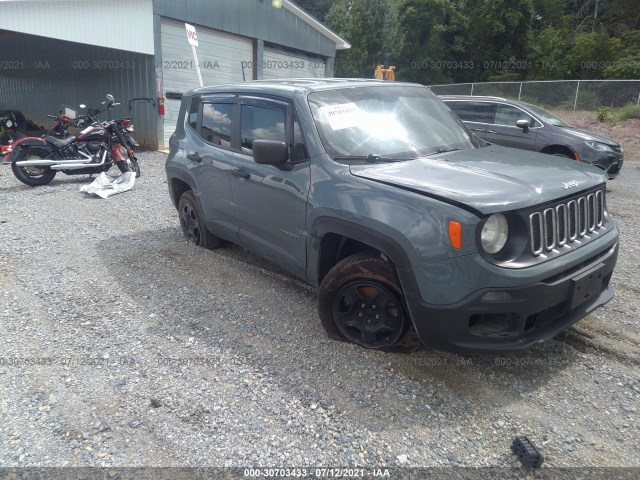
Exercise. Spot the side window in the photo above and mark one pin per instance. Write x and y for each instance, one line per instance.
(472, 111)
(299, 146)
(261, 123)
(193, 111)
(508, 115)
(217, 122)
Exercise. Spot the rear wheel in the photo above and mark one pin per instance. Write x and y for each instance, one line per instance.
(360, 301)
(192, 223)
(33, 176)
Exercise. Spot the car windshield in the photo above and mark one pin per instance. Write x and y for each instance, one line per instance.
(548, 116)
(386, 123)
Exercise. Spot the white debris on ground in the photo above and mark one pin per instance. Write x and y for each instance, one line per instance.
(104, 186)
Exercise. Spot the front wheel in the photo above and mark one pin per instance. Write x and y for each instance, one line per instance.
(129, 164)
(33, 176)
(360, 301)
(132, 163)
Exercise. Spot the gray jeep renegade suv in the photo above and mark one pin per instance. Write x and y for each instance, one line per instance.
(411, 227)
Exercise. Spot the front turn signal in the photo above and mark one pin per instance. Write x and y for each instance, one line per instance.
(455, 234)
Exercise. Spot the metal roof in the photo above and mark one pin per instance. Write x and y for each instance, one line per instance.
(341, 44)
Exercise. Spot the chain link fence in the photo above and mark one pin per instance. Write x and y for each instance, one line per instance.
(559, 94)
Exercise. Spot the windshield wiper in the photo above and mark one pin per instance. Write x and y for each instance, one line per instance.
(371, 158)
(442, 150)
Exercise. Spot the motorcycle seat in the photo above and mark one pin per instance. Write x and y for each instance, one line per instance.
(61, 143)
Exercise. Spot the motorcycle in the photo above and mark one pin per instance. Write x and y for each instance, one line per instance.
(14, 126)
(35, 161)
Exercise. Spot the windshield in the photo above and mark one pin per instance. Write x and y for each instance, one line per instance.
(387, 122)
(548, 116)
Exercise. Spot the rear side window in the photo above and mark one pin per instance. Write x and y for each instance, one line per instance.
(217, 122)
(261, 123)
(480, 112)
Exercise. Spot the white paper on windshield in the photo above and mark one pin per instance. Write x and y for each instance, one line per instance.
(345, 115)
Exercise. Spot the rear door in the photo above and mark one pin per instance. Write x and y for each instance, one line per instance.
(271, 202)
(209, 158)
(475, 115)
(505, 132)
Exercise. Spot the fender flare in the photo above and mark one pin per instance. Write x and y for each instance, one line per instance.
(324, 225)
(554, 145)
(177, 174)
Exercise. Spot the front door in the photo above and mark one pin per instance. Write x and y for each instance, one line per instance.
(505, 132)
(271, 201)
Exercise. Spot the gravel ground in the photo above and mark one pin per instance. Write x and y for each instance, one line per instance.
(145, 351)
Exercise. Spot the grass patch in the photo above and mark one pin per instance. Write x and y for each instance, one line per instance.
(631, 110)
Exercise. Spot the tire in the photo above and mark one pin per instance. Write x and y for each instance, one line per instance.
(122, 166)
(359, 301)
(560, 152)
(132, 163)
(192, 223)
(134, 166)
(33, 176)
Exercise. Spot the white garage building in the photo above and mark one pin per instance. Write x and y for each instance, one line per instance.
(72, 52)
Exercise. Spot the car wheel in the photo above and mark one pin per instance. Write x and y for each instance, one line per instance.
(192, 223)
(359, 301)
(32, 175)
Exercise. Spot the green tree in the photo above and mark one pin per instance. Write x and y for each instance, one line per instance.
(371, 28)
(547, 54)
(432, 41)
(498, 35)
(627, 65)
(590, 54)
(317, 8)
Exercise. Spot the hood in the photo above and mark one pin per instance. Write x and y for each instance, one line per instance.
(585, 136)
(489, 179)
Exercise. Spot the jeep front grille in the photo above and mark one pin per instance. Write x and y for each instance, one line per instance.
(564, 223)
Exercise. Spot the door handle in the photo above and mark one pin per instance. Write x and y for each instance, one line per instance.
(478, 129)
(236, 172)
(194, 157)
(491, 131)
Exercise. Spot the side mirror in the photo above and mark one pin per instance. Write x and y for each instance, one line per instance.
(82, 105)
(110, 98)
(523, 124)
(270, 152)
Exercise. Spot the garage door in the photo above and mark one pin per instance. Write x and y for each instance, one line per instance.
(220, 56)
(281, 64)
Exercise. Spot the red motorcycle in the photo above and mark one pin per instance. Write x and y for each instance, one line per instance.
(35, 161)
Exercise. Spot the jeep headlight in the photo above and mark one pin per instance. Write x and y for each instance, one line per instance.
(600, 147)
(495, 233)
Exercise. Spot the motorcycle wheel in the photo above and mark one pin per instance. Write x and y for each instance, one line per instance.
(33, 176)
(134, 166)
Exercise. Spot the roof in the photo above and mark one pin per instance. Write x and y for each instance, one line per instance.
(291, 85)
(471, 97)
(341, 44)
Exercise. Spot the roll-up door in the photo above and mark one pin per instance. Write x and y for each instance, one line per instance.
(281, 64)
(221, 56)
